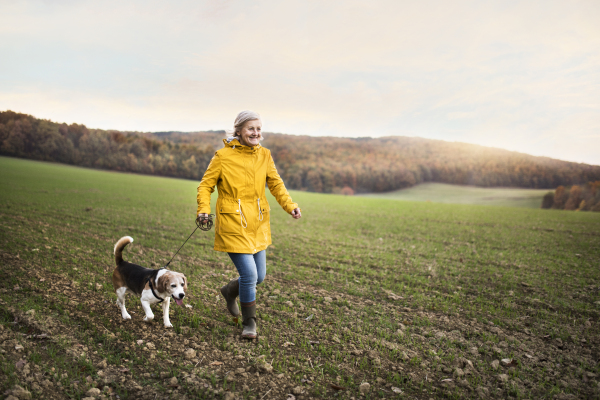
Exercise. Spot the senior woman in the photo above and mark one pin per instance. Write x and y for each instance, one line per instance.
(240, 171)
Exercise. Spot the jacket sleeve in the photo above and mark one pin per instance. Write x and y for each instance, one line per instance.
(207, 185)
(278, 189)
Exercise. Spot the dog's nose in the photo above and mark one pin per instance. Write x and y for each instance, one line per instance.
(181, 296)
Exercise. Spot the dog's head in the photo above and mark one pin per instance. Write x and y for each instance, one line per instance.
(174, 284)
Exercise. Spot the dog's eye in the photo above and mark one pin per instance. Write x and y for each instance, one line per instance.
(173, 285)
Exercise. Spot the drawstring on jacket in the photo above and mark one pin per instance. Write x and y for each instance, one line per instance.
(260, 214)
(242, 216)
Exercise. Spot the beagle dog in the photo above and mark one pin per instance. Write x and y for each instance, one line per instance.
(151, 285)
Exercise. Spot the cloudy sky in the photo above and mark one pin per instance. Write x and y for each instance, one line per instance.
(520, 75)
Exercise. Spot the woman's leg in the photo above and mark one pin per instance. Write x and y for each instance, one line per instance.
(260, 259)
(252, 269)
(249, 274)
(246, 267)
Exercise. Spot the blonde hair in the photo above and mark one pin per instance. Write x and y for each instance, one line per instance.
(241, 119)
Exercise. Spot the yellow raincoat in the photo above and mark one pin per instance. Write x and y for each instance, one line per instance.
(240, 173)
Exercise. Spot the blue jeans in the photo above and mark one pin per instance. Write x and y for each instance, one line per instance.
(252, 269)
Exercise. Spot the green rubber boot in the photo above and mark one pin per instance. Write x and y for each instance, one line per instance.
(249, 320)
(231, 292)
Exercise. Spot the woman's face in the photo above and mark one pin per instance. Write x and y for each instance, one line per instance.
(250, 134)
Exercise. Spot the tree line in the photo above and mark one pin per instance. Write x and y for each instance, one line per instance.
(577, 197)
(24, 136)
(317, 164)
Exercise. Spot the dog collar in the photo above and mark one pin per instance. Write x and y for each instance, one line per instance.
(152, 288)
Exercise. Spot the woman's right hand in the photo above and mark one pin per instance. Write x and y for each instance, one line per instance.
(202, 217)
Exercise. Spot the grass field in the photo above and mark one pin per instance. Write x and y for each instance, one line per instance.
(458, 194)
(364, 297)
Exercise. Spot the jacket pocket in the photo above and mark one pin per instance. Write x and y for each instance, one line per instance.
(264, 206)
(228, 220)
(263, 211)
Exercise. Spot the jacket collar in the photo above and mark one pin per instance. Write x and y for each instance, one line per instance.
(234, 142)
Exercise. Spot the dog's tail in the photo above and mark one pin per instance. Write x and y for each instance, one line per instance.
(121, 243)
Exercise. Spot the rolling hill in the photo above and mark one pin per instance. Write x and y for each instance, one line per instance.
(316, 164)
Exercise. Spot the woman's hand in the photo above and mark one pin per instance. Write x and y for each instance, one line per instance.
(202, 217)
(296, 214)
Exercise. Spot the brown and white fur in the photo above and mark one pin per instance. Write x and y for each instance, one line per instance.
(131, 278)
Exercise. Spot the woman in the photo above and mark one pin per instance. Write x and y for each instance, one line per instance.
(240, 171)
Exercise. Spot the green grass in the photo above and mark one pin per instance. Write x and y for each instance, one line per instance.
(459, 194)
(400, 291)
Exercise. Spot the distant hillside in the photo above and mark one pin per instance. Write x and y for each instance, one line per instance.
(327, 164)
(319, 164)
(24, 136)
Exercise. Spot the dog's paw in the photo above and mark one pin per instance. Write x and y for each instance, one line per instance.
(126, 316)
(148, 319)
(168, 325)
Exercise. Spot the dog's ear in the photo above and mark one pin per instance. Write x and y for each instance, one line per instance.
(184, 282)
(163, 283)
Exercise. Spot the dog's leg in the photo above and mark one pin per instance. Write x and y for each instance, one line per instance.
(149, 314)
(165, 306)
(121, 302)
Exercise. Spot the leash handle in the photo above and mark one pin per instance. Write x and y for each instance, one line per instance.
(204, 224)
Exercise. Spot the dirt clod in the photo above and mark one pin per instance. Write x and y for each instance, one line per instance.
(20, 393)
(189, 354)
(483, 392)
(93, 392)
(464, 383)
(495, 364)
(364, 387)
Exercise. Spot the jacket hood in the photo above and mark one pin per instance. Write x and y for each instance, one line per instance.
(234, 142)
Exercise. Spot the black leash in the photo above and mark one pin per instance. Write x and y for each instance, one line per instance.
(203, 224)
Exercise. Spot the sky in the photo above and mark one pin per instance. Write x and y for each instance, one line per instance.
(519, 75)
